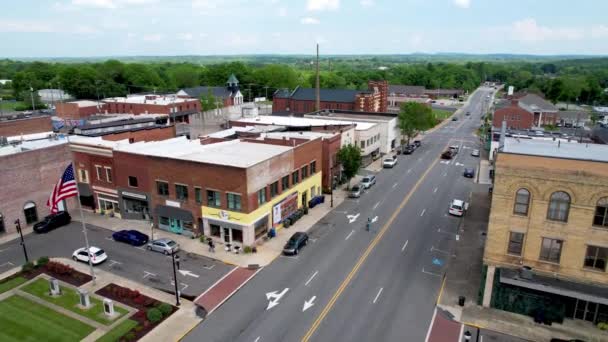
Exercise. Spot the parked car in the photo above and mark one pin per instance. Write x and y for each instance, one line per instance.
(53, 221)
(413, 146)
(295, 243)
(457, 207)
(368, 181)
(132, 237)
(475, 153)
(164, 245)
(355, 191)
(96, 254)
(389, 162)
(469, 172)
(454, 118)
(447, 155)
(418, 143)
(407, 150)
(468, 114)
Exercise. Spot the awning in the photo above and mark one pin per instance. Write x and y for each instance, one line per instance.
(84, 190)
(587, 292)
(175, 213)
(225, 224)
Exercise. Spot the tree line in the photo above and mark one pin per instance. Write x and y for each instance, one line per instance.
(581, 81)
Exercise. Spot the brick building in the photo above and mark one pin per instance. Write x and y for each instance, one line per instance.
(30, 168)
(22, 124)
(176, 107)
(78, 110)
(515, 116)
(141, 128)
(547, 242)
(525, 111)
(302, 100)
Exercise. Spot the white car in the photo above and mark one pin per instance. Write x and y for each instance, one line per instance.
(97, 255)
(368, 181)
(475, 153)
(389, 162)
(457, 207)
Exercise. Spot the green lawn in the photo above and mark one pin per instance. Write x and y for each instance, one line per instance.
(118, 331)
(69, 300)
(11, 284)
(9, 105)
(441, 114)
(24, 320)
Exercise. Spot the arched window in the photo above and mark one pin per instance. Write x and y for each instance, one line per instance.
(559, 206)
(601, 213)
(522, 202)
(30, 212)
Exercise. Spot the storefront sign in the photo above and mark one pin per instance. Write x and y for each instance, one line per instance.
(173, 204)
(284, 208)
(99, 188)
(224, 215)
(130, 194)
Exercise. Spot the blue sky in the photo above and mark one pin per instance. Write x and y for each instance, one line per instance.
(74, 28)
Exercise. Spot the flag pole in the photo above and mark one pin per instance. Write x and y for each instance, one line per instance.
(84, 226)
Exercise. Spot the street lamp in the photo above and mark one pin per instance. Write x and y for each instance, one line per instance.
(175, 279)
(18, 226)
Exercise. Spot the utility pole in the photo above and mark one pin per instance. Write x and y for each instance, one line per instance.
(175, 279)
(266, 94)
(317, 86)
(32, 96)
(18, 226)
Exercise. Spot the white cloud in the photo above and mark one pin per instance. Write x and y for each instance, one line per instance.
(185, 36)
(110, 4)
(155, 37)
(462, 3)
(239, 40)
(26, 26)
(310, 21)
(528, 30)
(367, 3)
(600, 31)
(282, 12)
(323, 5)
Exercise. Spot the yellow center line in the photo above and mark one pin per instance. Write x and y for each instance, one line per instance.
(363, 257)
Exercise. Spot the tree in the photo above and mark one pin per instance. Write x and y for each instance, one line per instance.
(350, 158)
(208, 101)
(27, 96)
(414, 117)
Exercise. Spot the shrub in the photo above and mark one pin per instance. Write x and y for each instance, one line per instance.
(148, 302)
(138, 328)
(247, 249)
(602, 325)
(139, 300)
(124, 292)
(58, 268)
(202, 239)
(154, 315)
(134, 294)
(165, 309)
(130, 336)
(42, 261)
(27, 267)
(140, 315)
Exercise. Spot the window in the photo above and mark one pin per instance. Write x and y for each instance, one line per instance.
(234, 201)
(559, 205)
(198, 195)
(261, 196)
(274, 189)
(215, 230)
(285, 183)
(30, 213)
(363, 144)
(181, 192)
(108, 174)
(551, 250)
(313, 167)
(84, 176)
(601, 213)
(133, 181)
(213, 199)
(162, 188)
(304, 171)
(596, 258)
(98, 170)
(522, 201)
(295, 177)
(516, 242)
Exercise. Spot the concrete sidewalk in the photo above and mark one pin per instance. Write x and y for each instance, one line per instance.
(267, 250)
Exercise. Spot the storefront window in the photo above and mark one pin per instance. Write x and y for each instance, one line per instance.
(237, 235)
(164, 220)
(30, 213)
(215, 230)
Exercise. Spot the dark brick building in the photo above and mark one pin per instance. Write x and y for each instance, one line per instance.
(515, 116)
(21, 124)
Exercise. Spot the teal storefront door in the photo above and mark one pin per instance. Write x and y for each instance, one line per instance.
(176, 226)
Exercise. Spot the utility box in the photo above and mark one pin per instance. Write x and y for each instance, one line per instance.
(108, 307)
(55, 289)
(85, 301)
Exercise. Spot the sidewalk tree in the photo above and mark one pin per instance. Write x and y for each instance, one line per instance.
(414, 117)
(350, 158)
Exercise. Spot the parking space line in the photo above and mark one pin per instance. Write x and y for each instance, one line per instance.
(8, 263)
(349, 234)
(423, 211)
(435, 190)
(209, 267)
(110, 239)
(148, 274)
(395, 185)
(404, 245)
(311, 278)
(378, 295)
(376, 205)
(430, 273)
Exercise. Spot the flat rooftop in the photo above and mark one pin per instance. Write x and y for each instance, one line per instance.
(97, 141)
(86, 103)
(36, 141)
(149, 99)
(351, 116)
(233, 153)
(299, 135)
(290, 121)
(556, 149)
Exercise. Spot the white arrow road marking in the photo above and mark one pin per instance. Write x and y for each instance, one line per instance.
(376, 205)
(349, 234)
(148, 274)
(311, 277)
(444, 162)
(257, 339)
(209, 267)
(423, 211)
(8, 263)
(458, 164)
(275, 298)
(404, 245)
(375, 219)
(395, 185)
(435, 190)
(410, 170)
(309, 303)
(378, 295)
(188, 273)
(352, 218)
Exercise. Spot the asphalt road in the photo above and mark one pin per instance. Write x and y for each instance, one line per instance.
(135, 263)
(349, 284)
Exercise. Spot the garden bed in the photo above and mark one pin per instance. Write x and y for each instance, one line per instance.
(150, 312)
(56, 270)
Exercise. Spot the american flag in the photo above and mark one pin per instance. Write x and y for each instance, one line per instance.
(65, 188)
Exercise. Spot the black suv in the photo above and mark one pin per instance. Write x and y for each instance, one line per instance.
(407, 150)
(295, 243)
(61, 218)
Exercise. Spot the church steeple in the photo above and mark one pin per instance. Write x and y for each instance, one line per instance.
(232, 84)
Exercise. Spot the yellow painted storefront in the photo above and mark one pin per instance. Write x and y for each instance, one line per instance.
(228, 219)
